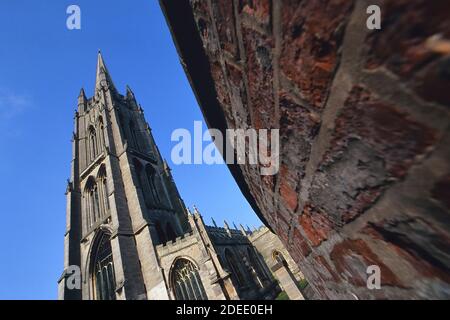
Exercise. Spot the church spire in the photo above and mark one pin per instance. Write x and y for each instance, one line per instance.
(102, 77)
(82, 101)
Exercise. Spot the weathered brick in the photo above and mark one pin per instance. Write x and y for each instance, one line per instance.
(225, 24)
(420, 243)
(369, 146)
(351, 259)
(312, 32)
(373, 144)
(441, 191)
(401, 44)
(392, 134)
(260, 78)
(200, 7)
(315, 225)
(330, 272)
(433, 82)
(300, 248)
(298, 128)
(259, 10)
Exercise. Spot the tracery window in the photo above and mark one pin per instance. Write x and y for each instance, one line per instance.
(102, 133)
(147, 177)
(186, 281)
(103, 185)
(134, 135)
(95, 198)
(151, 180)
(93, 149)
(103, 270)
(91, 202)
(256, 266)
(234, 267)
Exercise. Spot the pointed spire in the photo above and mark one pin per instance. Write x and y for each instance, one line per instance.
(130, 93)
(234, 225)
(227, 227)
(102, 75)
(82, 101)
(243, 230)
(196, 212)
(214, 222)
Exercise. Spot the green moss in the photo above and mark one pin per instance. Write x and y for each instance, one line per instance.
(282, 296)
(302, 284)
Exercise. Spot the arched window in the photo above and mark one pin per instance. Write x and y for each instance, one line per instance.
(151, 180)
(91, 202)
(96, 204)
(92, 143)
(171, 235)
(186, 281)
(234, 267)
(103, 185)
(134, 135)
(278, 257)
(102, 133)
(143, 183)
(103, 277)
(256, 265)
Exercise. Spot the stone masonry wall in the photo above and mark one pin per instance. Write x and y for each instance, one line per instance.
(364, 128)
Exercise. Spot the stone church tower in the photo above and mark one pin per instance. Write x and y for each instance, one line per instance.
(121, 199)
(128, 231)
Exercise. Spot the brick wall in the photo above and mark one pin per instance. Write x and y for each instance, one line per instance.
(364, 128)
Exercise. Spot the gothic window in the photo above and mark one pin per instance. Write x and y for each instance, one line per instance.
(96, 202)
(103, 185)
(103, 270)
(92, 143)
(256, 265)
(102, 133)
(134, 135)
(234, 267)
(186, 281)
(92, 202)
(142, 182)
(151, 180)
(278, 257)
(105, 194)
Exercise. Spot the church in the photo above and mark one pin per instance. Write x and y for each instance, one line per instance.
(129, 231)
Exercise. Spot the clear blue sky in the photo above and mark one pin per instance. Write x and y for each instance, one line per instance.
(43, 65)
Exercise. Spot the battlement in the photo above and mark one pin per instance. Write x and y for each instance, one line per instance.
(258, 233)
(179, 243)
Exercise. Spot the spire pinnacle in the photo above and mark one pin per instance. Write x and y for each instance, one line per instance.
(82, 100)
(102, 75)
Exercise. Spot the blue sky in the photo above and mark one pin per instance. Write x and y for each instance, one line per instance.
(43, 65)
